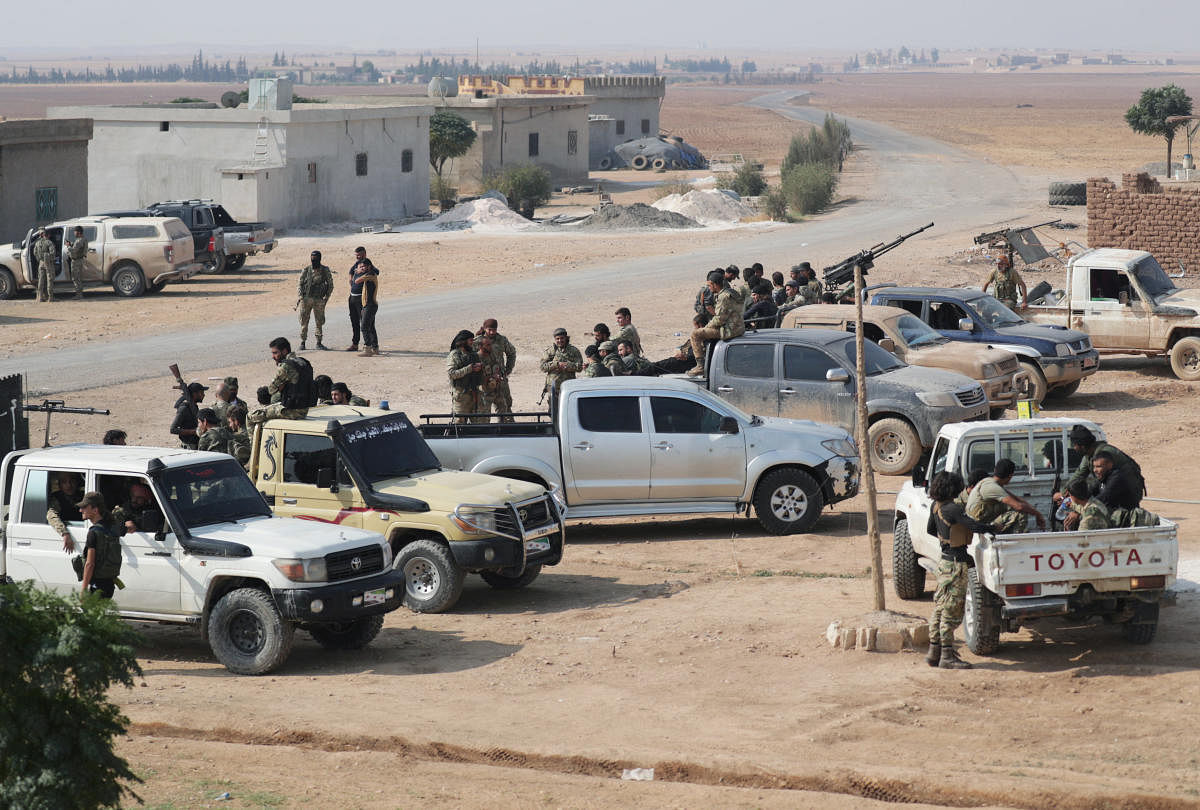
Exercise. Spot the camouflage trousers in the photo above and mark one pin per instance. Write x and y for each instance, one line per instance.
(465, 402)
(498, 401)
(317, 307)
(45, 282)
(699, 338)
(276, 411)
(1012, 522)
(948, 602)
(77, 275)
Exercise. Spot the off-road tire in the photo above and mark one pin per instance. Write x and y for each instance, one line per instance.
(604, 164)
(1037, 381)
(128, 280)
(908, 577)
(351, 635)
(503, 583)
(8, 284)
(156, 287)
(1074, 193)
(640, 162)
(433, 582)
(658, 164)
(981, 619)
(1144, 631)
(220, 264)
(1064, 391)
(788, 501)
(996, 412)
(234, 263)
(894, 445)
(247, 634)
(1185, 358)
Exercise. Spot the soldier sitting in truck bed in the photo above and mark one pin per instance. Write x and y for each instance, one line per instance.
(991, 503)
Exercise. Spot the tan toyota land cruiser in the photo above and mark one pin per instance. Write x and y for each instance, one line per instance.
(133, 254)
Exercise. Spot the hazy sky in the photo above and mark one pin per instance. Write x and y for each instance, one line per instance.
(652, 26)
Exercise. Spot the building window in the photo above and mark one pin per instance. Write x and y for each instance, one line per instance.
(533, 144)
(164, 126)
(620, 126)
(46, 203)
(406, 160)
(312, 172)
(572, 141)
(645, 126)
(360, 164)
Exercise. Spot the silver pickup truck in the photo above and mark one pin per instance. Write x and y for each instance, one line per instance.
(652, 446)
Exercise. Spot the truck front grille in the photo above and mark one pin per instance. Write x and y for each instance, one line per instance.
(532, 515)
(1008, 365)
(358, 562)
(970, 397)
(1079, 346)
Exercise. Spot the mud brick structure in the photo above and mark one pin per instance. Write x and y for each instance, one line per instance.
(1143, 215)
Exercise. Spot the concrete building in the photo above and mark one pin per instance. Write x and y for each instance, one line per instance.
(269, 160)
(43, 173)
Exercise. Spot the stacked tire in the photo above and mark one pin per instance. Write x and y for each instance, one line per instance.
(1068, 193)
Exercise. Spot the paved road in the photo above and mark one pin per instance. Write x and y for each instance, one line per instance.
(918, 180)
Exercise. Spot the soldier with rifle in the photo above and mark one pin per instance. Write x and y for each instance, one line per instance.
(465, 371)
(312, 294)
(560, 362)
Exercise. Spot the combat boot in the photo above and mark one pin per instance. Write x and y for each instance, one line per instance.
(322, 346)
(950, 659)
(302, 346)
(934, 655)
(353, 347)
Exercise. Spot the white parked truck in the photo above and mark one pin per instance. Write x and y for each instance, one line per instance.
(652, 446)
(214, 558)
(1117, 574)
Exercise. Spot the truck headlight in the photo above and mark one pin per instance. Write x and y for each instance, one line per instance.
(841, 447)
(300, 570)
(475, 521)
(1063, 350)
(387, 555)
(937, 399)
(560, 500)
(990, 370)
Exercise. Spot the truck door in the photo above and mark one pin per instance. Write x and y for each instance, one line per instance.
(806, 393)
(744, 373)
(93, 269)
(308, 460)
(944, 316)
(607, 450)
(35, 550)
(151, 569)
(690, 458)
(1110, 323)
(61, 271)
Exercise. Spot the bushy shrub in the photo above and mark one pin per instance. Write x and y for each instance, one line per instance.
(526, 187)
(809, 187)
(747, 180)
(776, 204)
(827, 144)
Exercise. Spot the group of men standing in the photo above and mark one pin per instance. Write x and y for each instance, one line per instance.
(220, 428)
(314, 289)
(45, 252)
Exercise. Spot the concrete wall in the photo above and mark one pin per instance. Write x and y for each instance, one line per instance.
(41, 154)
(1142, 215)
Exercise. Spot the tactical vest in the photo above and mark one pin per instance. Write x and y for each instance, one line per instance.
(1006, 286)
(960, 535)
(302, 393)
(108, 553)
(319, 284)
(471, 381)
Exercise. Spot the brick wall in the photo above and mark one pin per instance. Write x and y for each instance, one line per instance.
(1142, 215)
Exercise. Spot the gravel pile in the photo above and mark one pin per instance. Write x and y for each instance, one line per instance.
(485, 213)
(636, 216)
(706, 206)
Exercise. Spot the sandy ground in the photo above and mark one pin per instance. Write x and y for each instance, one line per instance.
(692, 646)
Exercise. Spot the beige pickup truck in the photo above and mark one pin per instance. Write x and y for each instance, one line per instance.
(916, 343)
(134, 255)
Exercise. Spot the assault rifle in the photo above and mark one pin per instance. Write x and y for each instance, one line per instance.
(838, 274)
(50, 406)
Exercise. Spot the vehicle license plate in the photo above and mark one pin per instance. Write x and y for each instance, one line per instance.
(1089, 362)
(375, 597)
(537, 545)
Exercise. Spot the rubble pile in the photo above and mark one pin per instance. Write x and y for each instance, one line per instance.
(636, 216)
(707, 206)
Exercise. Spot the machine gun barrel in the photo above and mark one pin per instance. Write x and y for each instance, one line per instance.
(52, 406)
(994, 236)
(843, 271)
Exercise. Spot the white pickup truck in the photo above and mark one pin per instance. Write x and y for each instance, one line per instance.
(1118, 574)
(215, 557)
(654, 446)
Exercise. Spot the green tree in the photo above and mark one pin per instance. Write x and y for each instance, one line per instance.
(747, 180)
(809, 187)
(776, 204)
(450, 136)
(1149, 115)
(56, 723)
(526, 187)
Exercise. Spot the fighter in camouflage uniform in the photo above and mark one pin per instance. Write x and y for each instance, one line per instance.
(562, 361)
(463, 368)
(77, 253)
(43, 252)
(501, 397)
(213, 437)
(611, 360)
(239, 439)
(725, 324)
(627, 331)
(227, 399)
(287, 374)
(492, 379)
(1007, 280)
(312, 294)
(991, 503)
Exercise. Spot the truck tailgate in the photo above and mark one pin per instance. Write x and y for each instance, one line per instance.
(1068, 559)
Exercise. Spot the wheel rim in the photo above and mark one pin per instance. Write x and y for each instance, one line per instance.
(968, 612)
(421, 578)
(246, 632)
(889, 447)
(1189, 359)
(126, 282)
(789, 503)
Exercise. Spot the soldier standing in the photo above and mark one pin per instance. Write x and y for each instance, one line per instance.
(77, 253)
(1007, 281)
(627, 330)
(227, 398)
(186, 408)
(291, 391)
(43, 252)
(810, 288)
(502, 346)
(312, 294)
(492, 379)
(560, 362)
(463, 368)
(355, 300)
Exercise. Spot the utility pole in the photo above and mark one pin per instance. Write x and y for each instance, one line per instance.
(864, 447)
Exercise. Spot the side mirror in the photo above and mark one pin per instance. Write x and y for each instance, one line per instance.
(324, 478)
(729, 425)
(837, 375)
(966, 324)
(1123, 297)
(920, 471)
(888, 345)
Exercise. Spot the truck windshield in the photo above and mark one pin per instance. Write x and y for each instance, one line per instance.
(993, 312)
(877, 360)
(918, 333)
(1153, 278)
(384, 447)
(217, 492)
